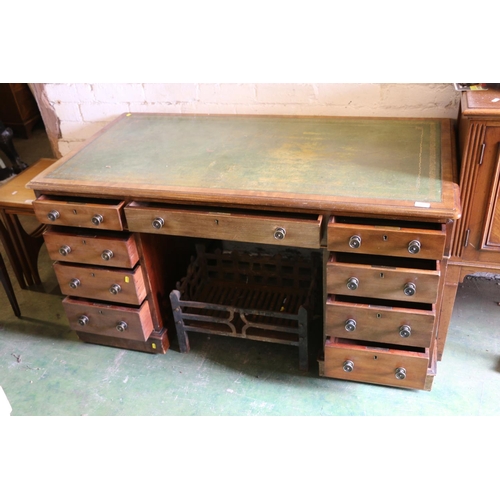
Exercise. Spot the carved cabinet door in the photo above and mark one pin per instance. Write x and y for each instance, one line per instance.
(482, 238)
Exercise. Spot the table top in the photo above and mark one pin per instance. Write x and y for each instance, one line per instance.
(310, 163)
(481, 102)
(14, 193)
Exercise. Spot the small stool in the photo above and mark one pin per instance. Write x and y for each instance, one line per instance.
(4, 278)
(22, 248)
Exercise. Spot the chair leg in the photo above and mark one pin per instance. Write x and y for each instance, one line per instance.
(4, 278)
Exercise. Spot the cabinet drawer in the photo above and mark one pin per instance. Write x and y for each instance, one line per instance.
(422, 241)
(100, 283)
(379, 323)
(372, 364)
(298, 230)
(86, 247)
(62, 211)
(377, 278)
(109, 320)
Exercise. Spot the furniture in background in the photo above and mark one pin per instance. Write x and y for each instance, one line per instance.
(7, 284)
(18, 108)
(22, 248)
(476, 246)
(375, 198)
(8, 149)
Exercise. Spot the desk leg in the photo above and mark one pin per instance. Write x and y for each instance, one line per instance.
(452, 278)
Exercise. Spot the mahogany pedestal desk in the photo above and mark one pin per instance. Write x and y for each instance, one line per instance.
(374, 198)
(22, 248)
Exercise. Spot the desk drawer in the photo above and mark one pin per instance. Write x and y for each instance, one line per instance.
(109, 320)
(423, 241)
(298, 230)
(96, 214)
(373, 364)
(86, 247)
(401, 325)
(100, 283)
(382, 278)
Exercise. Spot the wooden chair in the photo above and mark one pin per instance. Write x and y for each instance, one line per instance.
(4, 278)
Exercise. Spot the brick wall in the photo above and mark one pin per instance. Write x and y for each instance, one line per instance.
(83, 109)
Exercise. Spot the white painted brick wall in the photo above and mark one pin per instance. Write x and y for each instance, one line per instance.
(84, 108)
(69, 111)
(226, 93)
(119, 93)
(286, 93)
(170, 92)
(103, 111)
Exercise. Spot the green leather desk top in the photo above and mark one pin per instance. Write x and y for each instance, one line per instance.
(315, 160)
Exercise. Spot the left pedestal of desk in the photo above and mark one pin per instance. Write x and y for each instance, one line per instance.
(107, 273)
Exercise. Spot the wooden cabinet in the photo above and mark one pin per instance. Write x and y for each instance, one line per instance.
(477, 241)
(376, 198)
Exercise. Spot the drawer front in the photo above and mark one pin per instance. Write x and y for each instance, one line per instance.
(111, 251)
(414, 285)
(379, 240)
(375, 365)
(389, 325)
(79, 213)
(108, 320)
(116, 285)
(297, 231)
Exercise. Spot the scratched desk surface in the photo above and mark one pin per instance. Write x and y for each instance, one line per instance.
(330, 157)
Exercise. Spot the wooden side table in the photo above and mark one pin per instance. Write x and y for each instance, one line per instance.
(22, 248)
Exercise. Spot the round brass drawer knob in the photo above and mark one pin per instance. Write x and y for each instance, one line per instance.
(121, 326)
(279, 233)
(414, 247)
(405, 331)
(355, 241)
(74, 283)
(158, 223)
(83, 320)
(410, 289)
(65, 250)
(350, 325)
(348, 366)
(400, 373)
(352, 283)
(97, 219)
(115, 289)
(107, 255)
(53, 215)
